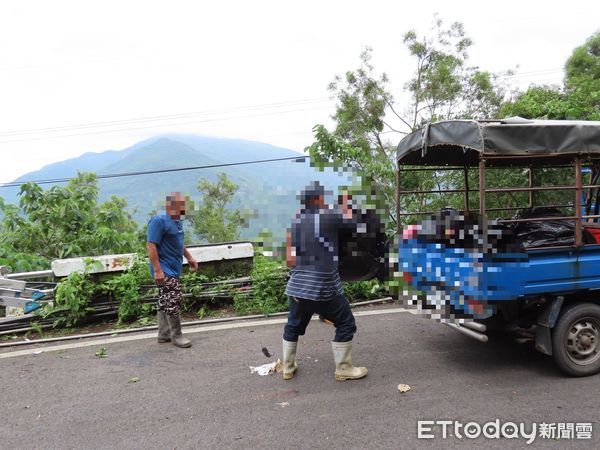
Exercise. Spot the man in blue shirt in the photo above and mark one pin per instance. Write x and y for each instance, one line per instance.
(314, 285)
(166, 251)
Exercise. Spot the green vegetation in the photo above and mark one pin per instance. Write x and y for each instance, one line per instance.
(74, 295)
(364, 290)
(444, 86)
(215, 221)
(63, 222)
(71, 300)
(577, 99)
(125, 289)
(268, 285)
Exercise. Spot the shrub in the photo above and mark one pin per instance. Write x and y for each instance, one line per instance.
(268, 286)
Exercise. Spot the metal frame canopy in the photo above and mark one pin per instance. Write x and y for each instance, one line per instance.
(503, 142)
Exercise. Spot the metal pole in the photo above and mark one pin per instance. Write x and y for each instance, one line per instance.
(398, 199)
(530, 186)
(466, 173)
(481, 186)
(577, 202)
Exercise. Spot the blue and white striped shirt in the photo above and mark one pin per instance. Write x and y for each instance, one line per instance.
(314, 285)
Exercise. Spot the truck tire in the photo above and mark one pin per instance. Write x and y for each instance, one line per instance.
(576, 340)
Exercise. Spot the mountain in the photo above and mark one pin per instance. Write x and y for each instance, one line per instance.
(268, 189)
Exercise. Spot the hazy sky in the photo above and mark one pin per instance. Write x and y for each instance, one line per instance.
(255, 70)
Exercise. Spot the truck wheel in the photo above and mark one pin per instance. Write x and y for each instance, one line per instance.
(576, 340)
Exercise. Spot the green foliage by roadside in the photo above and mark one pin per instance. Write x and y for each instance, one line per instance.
(72, 299)
(37, 328)
(363, 290)
(268, 288)
(63, 222)
(125, 289)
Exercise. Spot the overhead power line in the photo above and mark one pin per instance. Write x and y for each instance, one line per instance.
(159, 125)
(299, 158)
(84, 126)
(534, 73)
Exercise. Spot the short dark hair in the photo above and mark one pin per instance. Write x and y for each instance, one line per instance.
(312, 191)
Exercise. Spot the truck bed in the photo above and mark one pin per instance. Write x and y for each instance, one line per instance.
(463, 276)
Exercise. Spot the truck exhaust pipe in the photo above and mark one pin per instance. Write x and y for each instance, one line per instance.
(468, 331)
(476, 326)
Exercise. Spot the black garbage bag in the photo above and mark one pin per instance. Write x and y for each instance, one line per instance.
(363, 251)
(468, 231)
(546, 233)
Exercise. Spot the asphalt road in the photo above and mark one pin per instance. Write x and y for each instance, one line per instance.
(205, 397)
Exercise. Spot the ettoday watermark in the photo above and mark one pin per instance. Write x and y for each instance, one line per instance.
(496, 429)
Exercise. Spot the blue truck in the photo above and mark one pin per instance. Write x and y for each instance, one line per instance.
(520, 265)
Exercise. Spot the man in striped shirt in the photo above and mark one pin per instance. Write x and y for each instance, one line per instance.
(314, 285)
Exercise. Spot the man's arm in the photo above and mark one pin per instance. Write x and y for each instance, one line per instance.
(190, 259)
(290, 251)
(159, 275)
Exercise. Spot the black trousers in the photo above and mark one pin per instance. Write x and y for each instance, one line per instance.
(336, 310)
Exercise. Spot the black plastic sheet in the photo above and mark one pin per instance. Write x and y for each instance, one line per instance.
(547, 233)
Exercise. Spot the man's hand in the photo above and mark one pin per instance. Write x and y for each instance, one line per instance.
(346, 206)
(159, 276)
(193, 264)
(290, 251)
(190, 259)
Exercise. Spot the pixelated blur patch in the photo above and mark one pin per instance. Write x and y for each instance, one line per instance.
(456, 266)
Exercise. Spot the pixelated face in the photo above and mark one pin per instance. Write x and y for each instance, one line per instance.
(318, 201)
(175, 205)
(457, 266)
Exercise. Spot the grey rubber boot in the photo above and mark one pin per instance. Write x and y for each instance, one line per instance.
(176, 336)
(344, 370)
(164, 333)
(289, 359)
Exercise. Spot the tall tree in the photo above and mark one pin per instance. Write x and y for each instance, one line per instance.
(582, 80)
(215, 221)
(538, 102)
(577, 99)
(443, 86)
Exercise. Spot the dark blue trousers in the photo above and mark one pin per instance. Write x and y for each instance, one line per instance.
(336, 310)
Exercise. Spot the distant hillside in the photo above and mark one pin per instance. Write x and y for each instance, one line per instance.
(269, 189)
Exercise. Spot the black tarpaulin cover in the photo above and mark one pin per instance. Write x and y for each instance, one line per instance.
(460, 142)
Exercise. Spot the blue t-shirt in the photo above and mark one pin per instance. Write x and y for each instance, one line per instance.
(167, 234)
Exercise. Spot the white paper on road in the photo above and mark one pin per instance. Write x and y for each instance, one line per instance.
(268, 368)
(403, 388)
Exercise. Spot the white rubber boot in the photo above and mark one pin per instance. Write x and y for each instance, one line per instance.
(289, 359)
(344, 370)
